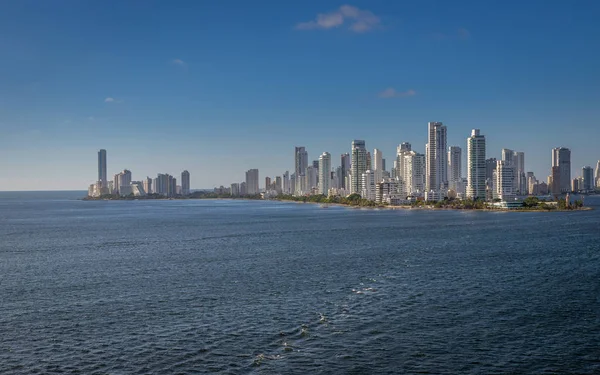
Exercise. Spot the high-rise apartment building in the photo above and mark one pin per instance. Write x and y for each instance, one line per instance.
(377, 165)
(147, 185)
(185, 183)
(454, 167)
(102, 169)
(243, 188)
(359, 165)
(324, 173)
(252, 182)
(587, 174)
(368, 185)
(267, 183)
(561, 158)
(436, 154)
(402, 150)
(505, 181)
(301, 162)
(413, 176)
(597, 174)
(555, 181)
(346, 165)
(310, 180)
(490, 167)
(476, 165)
(235, 190)
(285, 182)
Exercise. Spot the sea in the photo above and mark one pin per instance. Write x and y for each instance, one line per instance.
(265, 287)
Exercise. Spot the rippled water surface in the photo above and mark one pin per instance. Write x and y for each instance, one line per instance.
(248, 287)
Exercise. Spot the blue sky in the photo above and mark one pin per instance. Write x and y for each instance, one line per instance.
(221, 87)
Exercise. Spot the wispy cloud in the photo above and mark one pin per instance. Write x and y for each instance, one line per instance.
(179, 62)
(391, 92)
(358, 20)
(112, 100)
(460, 33)
(91, 118)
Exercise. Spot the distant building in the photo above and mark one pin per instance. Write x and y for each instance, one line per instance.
(185, 183)
(561, 158)
(267, 183)
(436, 157)
(147, 184)
(505, 181)
(345, 166)
(386, 189)
(285, 180)
(368, 185)
(252, 182)
(490, 167)
(476, 166)
(235, 190)
(575, 185)
(301, 162)
(587, 173)
(324, 173)
(556, 186)
(413, 176)
(597, 175)
(102, 169)
(243, 188)
(454, 166)
(358, 165)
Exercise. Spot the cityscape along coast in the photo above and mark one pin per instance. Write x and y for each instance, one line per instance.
(434, 179)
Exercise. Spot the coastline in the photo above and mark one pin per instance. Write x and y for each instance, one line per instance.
(379, 207)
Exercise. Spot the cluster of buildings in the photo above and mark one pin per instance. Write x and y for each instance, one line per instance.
(122, 183)
(432, 176)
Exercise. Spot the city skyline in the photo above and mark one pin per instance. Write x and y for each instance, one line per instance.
(267, 78)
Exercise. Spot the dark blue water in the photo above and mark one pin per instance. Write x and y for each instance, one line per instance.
(240, 287)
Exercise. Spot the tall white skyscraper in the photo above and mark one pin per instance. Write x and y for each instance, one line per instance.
(368, 185)
(597, 174)
(414, 173)
(561, 158)
(324, 173)
(378, 158)
(252, 182)
(359, 165)
(505, 176)
(185, 183)
(102, 169)
(402, 150)
(454, 167)
(437, 163)
(476, 167)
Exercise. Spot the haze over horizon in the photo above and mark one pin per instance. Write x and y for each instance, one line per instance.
(218, 88)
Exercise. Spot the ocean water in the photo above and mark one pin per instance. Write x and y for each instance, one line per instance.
(249, 287)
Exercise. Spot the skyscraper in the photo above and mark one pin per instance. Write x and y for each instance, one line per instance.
(252, 182)
(301, 161)
(402, 150)
(454, 166)
(286, 183)
(561, 158)
(505, 187)
(267, 183)
(521, 177)
(476, 165)
(185, 183)
(102, 169)
(378, 165)
(324, 173)
(413, 182)
(490, 167)
(587, 173)
(436, 155)
(359, 165)
(597, 174)
(346, 165)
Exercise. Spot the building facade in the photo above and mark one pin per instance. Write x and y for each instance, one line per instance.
(476, 165)
(252, 182)
(324, 173)
(454, 167)
(561, 158)
(185, 183)
(436, 155)
(358, 165)
(102, 178)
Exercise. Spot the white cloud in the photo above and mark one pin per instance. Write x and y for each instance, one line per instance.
(179, 62)
(358, 20)
(109, 100)
(391, 92)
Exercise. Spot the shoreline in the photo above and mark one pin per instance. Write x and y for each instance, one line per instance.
(382, 207)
